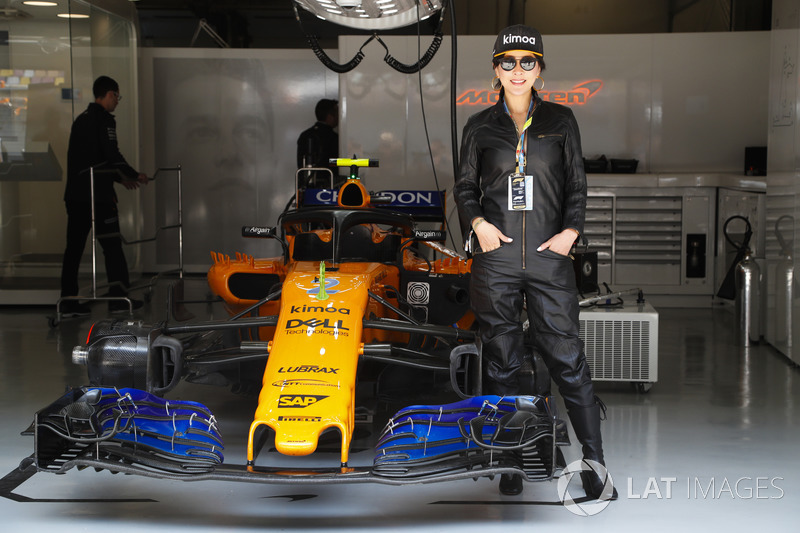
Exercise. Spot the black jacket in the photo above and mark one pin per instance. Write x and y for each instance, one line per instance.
(93, 143)
(318, 144)
(554, 159)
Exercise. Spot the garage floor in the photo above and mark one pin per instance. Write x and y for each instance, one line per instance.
(714, 444)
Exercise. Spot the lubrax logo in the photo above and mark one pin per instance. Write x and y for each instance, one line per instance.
(318, 309)
(316, 323)
(298, 401)
(313, 369)
(513, 39)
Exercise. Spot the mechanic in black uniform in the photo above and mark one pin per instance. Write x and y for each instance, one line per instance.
(319, 143)
(93, 143)
(522, 188)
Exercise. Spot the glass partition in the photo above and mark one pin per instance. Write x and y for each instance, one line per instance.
(49, 58)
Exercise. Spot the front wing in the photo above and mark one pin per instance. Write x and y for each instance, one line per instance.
(478, 437)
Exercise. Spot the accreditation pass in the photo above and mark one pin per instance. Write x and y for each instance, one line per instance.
(520, 192)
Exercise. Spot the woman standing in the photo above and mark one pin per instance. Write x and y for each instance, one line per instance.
(522, 187)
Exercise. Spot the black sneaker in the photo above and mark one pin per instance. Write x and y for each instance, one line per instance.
(121, 306)
(73, 308)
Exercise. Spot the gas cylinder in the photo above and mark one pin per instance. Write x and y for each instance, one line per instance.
(784, 285)
(748, 312)
(784, 298)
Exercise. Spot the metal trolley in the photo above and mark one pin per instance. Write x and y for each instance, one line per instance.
(54, 321)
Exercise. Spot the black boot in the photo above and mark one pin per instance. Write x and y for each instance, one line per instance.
(502, 359)
(595, 484)
(511, 484)
(586, 423)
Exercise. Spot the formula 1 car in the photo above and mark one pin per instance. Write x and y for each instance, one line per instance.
(352, 287)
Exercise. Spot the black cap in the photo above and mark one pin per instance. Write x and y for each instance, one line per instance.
(518, 37)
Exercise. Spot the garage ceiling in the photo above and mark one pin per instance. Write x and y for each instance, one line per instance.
(272, 23)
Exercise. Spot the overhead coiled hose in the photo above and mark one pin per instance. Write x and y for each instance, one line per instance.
(419, 65)
(340, 68)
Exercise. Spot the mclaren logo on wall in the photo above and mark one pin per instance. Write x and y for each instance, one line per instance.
(578, 95)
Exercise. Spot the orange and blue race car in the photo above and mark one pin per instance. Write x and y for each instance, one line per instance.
(356, 289)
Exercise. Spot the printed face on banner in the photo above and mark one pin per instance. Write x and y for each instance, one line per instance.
(233, 128)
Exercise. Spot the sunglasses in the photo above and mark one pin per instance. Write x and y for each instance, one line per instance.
(508, 63)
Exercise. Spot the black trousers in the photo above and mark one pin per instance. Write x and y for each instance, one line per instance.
(79, 224)
(498, 288)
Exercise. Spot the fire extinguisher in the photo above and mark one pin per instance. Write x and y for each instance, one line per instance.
(784, 285)
(727, 289)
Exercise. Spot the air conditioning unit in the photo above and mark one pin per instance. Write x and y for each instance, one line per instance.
(621, 343)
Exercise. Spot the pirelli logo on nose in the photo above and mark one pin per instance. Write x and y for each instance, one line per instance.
(514, 39)
(298, 400)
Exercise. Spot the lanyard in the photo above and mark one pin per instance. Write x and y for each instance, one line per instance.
(520, 153)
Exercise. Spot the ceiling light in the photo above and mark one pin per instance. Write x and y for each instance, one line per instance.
(38, 3)
(72, 16)
(372, 14)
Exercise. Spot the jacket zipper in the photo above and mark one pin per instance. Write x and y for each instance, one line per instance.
(516, 129)
(524, 218)
(523, 239)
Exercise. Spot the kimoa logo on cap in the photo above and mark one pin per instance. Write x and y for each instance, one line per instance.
(511, 39)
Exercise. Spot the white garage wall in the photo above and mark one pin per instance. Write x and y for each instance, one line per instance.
(676, 102)
(230, 118)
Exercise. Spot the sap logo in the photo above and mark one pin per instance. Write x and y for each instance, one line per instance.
(313, 369)
(318, 309)
(293, 401)
(300, 419)
(314, 323)
(328, 284)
